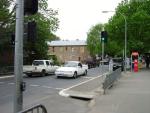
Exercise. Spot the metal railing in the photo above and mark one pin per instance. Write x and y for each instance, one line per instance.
(111, 78)
(35, 109)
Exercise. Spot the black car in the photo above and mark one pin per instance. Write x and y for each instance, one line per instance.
(118, 63)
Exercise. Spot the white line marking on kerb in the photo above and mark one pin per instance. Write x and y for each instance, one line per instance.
(62, 92)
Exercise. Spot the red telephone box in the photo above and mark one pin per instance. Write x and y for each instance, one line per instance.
(134, 61)
(135, 65)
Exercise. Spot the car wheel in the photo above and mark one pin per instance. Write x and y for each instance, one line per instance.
(29, 74)
(85, 73)
(75, 75)
(43, 73)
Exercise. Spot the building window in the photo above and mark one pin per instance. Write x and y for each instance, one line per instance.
(82, 49)
(61, 49)
(66, 48)
(53, 49)
(72, 49)
(79, 58)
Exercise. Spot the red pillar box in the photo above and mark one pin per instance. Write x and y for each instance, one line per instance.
(135, 65)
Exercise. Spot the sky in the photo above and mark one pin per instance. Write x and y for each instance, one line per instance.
(78, 16)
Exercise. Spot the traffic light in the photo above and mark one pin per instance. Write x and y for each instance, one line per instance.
(104, 36)
(31, 32)
(30, 6)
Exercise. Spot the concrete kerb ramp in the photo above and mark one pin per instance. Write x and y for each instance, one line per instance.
(85, 90)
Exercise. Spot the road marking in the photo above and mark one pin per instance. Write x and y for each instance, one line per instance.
(1, 82)
(7, 77)
(89, 77)
(34, 85)
(11, 83)
(52, 87)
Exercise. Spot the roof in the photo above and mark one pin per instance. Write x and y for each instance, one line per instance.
(67, 43)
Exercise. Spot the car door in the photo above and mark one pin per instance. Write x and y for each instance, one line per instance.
(48, 67)
(53, 68)
(80, 70)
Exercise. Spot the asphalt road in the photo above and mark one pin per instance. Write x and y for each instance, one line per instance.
(45, 90)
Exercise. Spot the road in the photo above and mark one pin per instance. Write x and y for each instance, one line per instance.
(40, 89)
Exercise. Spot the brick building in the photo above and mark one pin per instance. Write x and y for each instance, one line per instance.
(69, 50)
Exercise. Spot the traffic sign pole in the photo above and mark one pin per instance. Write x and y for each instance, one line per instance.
(18, 60)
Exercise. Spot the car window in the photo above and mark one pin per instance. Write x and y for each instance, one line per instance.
(70, 64)
(80, 64)
(36, 63)
(47, 63)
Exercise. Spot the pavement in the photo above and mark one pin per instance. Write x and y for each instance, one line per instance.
(130, 94)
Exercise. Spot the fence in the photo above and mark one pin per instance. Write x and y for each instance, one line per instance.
(111, 78)
(35, 109)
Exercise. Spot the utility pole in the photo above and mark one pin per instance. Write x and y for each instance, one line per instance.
(103, 47)
(18, 60)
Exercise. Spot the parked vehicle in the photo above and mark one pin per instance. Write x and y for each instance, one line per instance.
(40, 67)
(118, 63)
(92, 63)
(71, 69)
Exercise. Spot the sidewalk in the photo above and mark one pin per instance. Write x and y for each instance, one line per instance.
(130, 94)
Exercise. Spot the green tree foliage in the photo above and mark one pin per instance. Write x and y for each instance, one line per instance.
(6, 19)
(47, 24)
(93, 40)
(137, 14)
(6, 22)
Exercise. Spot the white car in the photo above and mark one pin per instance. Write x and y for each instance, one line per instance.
(71, 69)
(40, 67)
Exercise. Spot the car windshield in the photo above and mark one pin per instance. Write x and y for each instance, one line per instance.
(36, 63)
(70, 64)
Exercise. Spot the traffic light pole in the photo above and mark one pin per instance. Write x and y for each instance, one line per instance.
(102, 56)
(18, 60)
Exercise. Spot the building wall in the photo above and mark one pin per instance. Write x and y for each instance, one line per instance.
(66, 53)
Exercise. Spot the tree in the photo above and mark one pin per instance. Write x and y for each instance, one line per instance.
(6, 23)
(137, 14)
(93, 40)
(47, 24)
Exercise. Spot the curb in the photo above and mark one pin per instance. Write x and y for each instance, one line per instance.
(69, 92)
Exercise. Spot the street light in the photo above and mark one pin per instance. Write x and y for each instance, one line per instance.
(125, 41)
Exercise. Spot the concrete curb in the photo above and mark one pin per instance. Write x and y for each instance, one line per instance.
(85, 90)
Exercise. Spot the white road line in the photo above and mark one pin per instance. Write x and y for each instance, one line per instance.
(11, 83)
(7, 77)
(34, 85)
(59, 88)
(52, 87)
(1, 82)
(48, 87)
(89, 77)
